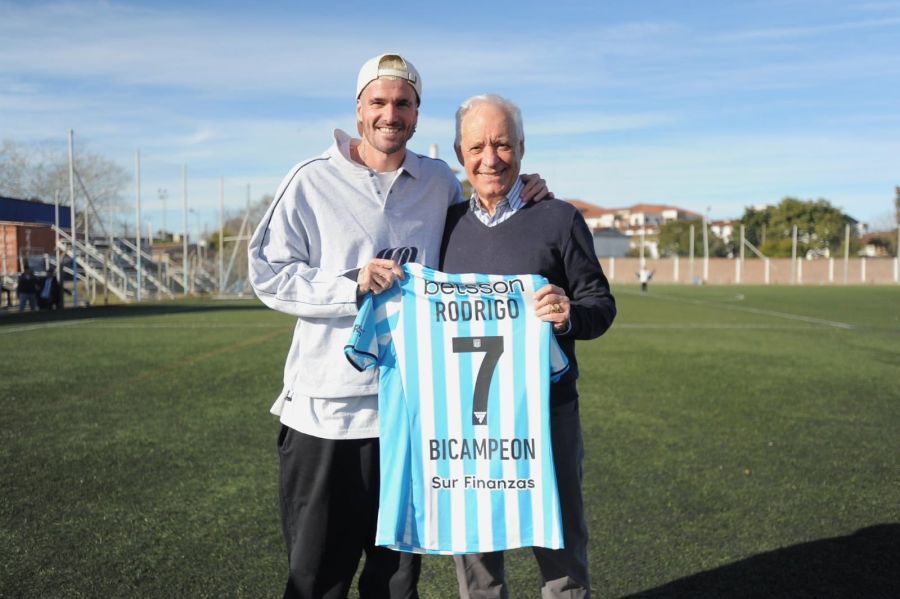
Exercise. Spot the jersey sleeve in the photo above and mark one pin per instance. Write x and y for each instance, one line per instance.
(362, 347)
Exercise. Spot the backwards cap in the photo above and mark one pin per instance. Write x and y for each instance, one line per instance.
(389, 65)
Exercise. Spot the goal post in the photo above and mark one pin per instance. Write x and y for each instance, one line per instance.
(746, 243)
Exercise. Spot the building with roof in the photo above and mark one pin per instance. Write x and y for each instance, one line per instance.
(632, 222)
(26, 231)
(608, 242)
(724, 229)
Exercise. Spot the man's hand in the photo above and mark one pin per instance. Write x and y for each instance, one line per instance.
(535, 189)
(377, 276)
(553, 306)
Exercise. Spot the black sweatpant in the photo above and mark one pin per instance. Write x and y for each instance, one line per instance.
(329, 508)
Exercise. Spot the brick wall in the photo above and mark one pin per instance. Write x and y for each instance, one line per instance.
(18, 239)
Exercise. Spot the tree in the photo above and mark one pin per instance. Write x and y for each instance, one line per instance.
(39, 172)
(820, 227)
(13, 171)
(757, 224)
(232, 225)
(675, 239)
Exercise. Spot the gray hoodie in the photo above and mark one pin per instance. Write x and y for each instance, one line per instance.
(328, 219)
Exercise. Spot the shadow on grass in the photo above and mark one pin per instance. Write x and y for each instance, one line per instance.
(8, 317)
(864, 564)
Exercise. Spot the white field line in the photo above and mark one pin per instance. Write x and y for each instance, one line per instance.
(95, 323)
(718, 327)
(43, 325)
(786, 315)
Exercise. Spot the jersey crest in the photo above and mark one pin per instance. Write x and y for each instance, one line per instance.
(400, 255)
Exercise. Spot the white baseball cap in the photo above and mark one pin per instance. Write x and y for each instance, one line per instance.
(375, 68)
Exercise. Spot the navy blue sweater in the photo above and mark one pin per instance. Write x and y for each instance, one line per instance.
(549, 238)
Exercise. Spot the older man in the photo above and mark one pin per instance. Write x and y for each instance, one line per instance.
(338, 227)
(497, 233)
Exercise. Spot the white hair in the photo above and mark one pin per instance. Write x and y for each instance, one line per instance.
(507, 106)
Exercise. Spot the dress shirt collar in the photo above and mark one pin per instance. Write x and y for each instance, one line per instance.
(506, 207)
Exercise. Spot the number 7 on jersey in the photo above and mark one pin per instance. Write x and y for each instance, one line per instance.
(492, 347)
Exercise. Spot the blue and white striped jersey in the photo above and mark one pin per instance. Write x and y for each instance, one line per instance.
(465, 372)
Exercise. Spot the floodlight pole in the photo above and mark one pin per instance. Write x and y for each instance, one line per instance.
(691, 253)
(184, 257)
(106, 278)
(163, 195)
(137, 228)
(897, 257)
(794, 256)
(222, 236)
(72, 217)
(846, 253)
(56, 230)
(247, 274)
(705, 246)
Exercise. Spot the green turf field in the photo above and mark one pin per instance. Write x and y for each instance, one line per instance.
(741, 442)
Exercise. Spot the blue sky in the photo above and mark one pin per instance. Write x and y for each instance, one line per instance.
(701, 104)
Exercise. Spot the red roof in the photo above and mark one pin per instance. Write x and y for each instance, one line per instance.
(593, 211)
(587, 209)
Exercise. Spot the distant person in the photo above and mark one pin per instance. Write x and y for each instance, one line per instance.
(496, 233)
(27, 288)
(51, 297)
(7, 291)
(644, 277)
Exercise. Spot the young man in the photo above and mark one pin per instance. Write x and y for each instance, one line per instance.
(497, 233)
(339, 227)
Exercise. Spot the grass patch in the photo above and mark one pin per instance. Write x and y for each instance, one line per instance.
(741, 442)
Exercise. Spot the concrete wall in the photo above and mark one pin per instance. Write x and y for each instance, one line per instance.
(781, 271)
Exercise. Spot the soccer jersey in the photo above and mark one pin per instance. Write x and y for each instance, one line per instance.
(465, 372)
